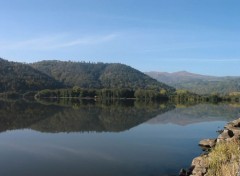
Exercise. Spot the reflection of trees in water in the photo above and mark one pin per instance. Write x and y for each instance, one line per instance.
(94, 118)
(114, 116)
(199, 113)
(19, 114)
(77, 116)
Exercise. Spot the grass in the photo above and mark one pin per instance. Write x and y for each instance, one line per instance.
(224, 159)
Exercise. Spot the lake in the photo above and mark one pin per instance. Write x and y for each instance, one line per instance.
(125, 138)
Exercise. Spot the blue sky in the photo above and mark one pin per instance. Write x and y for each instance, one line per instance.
(200, 36)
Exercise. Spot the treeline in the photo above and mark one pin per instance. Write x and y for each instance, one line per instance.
(186, 96)
(76, 92)
(233, 97)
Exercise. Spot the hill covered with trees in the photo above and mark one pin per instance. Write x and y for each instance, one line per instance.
(99, 75)
(77, 79)
(19, 77)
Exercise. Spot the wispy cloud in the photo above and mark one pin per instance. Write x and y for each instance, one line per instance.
(56, 42)
(87, 41)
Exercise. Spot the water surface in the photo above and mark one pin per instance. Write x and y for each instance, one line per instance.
(94, 139)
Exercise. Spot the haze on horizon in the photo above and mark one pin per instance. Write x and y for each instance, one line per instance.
(167, 36)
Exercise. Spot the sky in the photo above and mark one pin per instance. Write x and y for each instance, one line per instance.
(200, 36)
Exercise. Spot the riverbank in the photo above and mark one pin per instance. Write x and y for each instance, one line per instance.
(221, 156)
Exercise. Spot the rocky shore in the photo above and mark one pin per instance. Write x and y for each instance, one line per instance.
(199, 166)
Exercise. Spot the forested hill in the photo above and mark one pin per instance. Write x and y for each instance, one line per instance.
(18, 77)
(98, 75)
(200, 84)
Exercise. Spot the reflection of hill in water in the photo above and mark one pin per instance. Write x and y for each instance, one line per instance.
(87, 117)
(198, 113)
(105, 117)
(20, 115)
(96, 119)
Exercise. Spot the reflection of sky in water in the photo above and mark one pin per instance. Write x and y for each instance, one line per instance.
(148, 149)
(160, 146)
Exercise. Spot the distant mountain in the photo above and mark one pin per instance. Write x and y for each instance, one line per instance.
(200, 84)
(179, 77)
(98, 75)
(18, 77)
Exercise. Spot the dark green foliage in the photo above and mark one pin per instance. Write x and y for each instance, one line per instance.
(184, 96)
(18, 77)
(93, 79)
(145, 94)
(122, 76)
(68, 93)
(181, 96)
(115, 93)
(71, 73)
(99, 75)
(76, 92)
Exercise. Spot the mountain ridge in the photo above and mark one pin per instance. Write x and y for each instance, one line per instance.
(98, 75)
(197, 83)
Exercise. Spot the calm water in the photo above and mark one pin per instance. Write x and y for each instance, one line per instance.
(119, 139)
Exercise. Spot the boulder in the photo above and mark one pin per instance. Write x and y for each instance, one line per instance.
(199, 166)
(226, 134)
(208, 143)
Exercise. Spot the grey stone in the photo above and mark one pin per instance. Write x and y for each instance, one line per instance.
(226, 134)
(209, 143)
(231, 132)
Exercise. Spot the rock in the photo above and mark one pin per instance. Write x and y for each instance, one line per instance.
(199, 161)
(208, 143)
(236, 122)
(183, 172)
(226, 134)
(199, 171)
(199, 166)
(235, 130)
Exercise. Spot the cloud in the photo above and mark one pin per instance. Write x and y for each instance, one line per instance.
(56, 42)
(87, 41)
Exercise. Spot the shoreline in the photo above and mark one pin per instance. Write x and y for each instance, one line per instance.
(200, 164)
